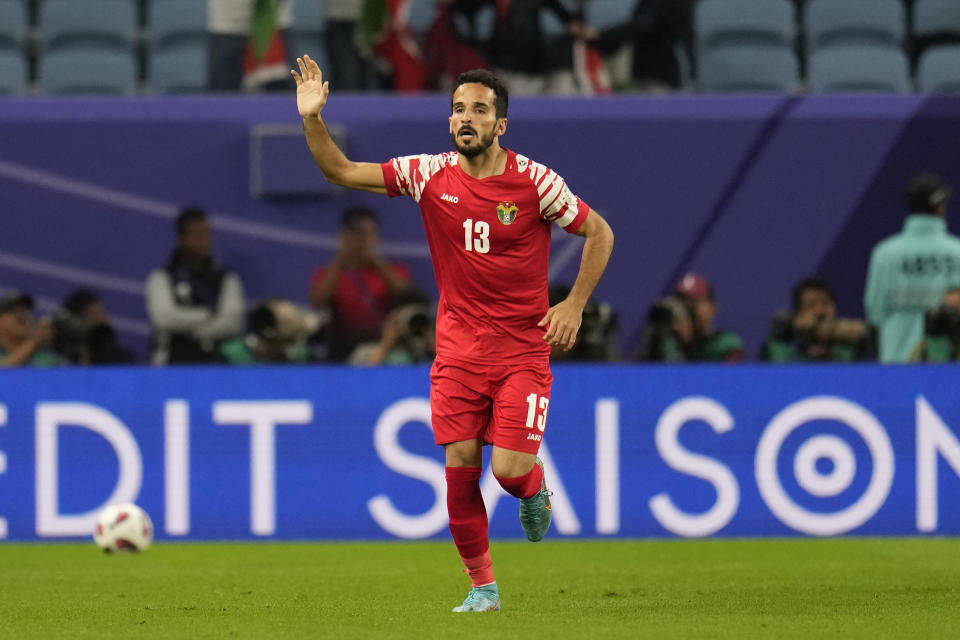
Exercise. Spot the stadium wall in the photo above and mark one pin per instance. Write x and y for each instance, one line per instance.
(756, 191)
(334, 453)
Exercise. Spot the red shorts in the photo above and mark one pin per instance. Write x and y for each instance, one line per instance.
(503, 405)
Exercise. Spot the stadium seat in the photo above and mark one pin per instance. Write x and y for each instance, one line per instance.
(305, 35)
(13, 24)
(939, 70)
(763, 22)
(105, 23)
(176, 22)
(852, 22)
(735, 68)
(603, 14)
(859, 68)
(13, 74)
(179, 68)
(936, 22)
(421, 16)
(87, 70)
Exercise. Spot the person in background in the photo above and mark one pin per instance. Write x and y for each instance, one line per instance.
(408, 336)
(661, 34)
(709, 344)
(680, 327)
(357, 284)
(23, 340)
(193, 303)
(247, 44)
(83, 333)
(941, 335)
(349, 70)
(277, 333)
(812, 332)
(526, 61)
(910, 271)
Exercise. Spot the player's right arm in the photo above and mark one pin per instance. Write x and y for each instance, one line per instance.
(312, 93)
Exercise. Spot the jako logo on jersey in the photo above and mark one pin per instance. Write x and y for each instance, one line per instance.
(450, 198)
(507, 212)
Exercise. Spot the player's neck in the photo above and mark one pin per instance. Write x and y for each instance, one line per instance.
(492, 162)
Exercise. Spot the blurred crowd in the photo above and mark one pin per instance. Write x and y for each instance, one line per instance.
(365, 310)
(535, 46)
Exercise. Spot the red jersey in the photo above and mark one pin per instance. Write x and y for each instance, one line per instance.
(490, 243)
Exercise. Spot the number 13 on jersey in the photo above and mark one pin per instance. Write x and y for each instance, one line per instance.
(533, 403)
(476, 235)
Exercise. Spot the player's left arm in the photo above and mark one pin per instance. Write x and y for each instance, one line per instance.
(564, 318)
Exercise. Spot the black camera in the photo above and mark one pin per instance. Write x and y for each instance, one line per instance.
(659, 342)
(413, 320)
(70, 333)
(943, 322)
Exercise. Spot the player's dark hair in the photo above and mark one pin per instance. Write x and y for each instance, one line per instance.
(501, 99)
(187, 216)
(352, 216)
(811, 284)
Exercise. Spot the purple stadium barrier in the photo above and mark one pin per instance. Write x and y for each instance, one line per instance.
(755, 191)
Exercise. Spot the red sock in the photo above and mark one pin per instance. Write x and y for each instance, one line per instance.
(523, 486)
(468, 522)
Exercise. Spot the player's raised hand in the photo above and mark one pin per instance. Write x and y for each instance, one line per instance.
(562, 322)
(312, 91)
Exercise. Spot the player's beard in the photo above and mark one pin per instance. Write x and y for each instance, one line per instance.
(484, 143)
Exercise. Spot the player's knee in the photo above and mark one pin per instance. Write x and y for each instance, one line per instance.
(467, 453)
(511, 464)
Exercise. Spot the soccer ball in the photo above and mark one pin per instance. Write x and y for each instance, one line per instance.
(123, 527)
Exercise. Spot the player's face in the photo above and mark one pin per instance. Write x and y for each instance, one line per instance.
(474, 124)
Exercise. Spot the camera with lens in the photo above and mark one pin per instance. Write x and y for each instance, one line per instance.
(413, 320)
(668, 332)
(70, 335)
(943, 322)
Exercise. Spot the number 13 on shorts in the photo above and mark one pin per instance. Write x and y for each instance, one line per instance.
(537, 408)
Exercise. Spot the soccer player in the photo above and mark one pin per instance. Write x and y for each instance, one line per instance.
(487, 213)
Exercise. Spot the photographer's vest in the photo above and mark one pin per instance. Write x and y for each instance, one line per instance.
(193, 288)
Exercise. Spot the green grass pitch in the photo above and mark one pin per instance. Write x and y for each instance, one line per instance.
(842, 588)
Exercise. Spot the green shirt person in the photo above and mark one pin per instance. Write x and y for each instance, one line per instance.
(680, 327)
(812, 332)
(910, 271)
(277, 333)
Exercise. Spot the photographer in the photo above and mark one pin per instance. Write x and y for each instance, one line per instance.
(814, 333)
(941, 336)
(408, 335)
(82, 333)
(277, 333)
(597, 338)
(23, 340)
(680, 327)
